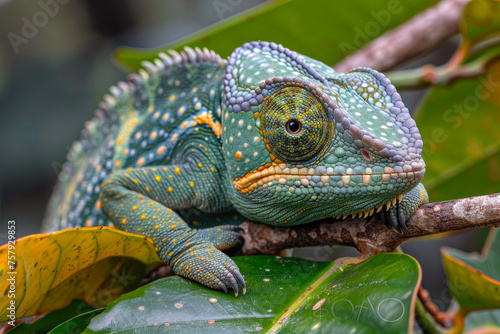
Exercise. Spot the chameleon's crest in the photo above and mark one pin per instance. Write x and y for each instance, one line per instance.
(116, 104)
(254, 67)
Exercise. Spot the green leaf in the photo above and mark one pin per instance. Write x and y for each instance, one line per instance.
(475, 280)
(95, 264)
(77, 324)
(324, 30)
(285, 295)
(483, 322)
(480, 21)
(460, 128)
(53, 319)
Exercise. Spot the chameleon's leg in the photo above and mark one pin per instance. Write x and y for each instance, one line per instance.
(223, 237)
(141, 200)
(398, 214)
(222, 229)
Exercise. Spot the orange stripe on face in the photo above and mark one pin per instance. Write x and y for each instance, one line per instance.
(249, 181)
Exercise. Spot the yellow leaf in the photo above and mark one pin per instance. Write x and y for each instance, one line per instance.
(95, 264)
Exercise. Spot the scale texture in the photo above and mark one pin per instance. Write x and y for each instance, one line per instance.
(192, 145)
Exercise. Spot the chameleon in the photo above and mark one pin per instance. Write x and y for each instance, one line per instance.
(193, 144)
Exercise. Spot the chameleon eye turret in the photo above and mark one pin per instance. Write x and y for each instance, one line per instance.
(193, 144)
(294, 124)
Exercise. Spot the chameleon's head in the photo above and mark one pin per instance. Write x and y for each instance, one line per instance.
(304, 142)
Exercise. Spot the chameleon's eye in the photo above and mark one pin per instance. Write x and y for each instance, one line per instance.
(295, 126)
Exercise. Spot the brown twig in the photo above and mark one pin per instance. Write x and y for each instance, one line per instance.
(445, 319)
(422, 33)
(369, 235)
(442, 75)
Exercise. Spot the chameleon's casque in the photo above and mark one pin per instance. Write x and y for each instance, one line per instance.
(192, 145)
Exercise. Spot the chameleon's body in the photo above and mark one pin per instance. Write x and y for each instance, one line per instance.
(195, 144)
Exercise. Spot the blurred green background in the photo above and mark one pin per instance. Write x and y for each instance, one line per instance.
(54, 82)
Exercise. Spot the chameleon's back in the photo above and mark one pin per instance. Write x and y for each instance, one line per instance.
(143, 123)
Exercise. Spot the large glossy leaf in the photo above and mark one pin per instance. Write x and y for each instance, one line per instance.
(460, 127)
(53, 319)
(325, 30)
(483, 322)
(93, 264)
(285, 295)
(475, 280)
(77, 324)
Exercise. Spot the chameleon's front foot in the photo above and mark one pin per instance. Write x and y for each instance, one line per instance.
(398, 214)
(207, 265)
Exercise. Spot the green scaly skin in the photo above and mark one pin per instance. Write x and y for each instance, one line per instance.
(192, 145)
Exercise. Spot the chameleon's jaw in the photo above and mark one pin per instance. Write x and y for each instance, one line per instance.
(283, 173)
(316, 192)
(388, 204)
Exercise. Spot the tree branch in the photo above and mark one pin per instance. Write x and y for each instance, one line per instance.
(444, 74)
(422, 33)
(369, 235)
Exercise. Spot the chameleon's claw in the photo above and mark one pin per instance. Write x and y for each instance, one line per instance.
(393, 218)
(398, 214)
(212, 268)
(237, 229)
(222, 286)
(237, 278)
(233, 284)
(401, 217)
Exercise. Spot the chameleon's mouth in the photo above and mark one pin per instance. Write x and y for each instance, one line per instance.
(370, 212)
(282, 173)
